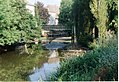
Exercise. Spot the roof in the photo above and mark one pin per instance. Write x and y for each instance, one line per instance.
(53, 8)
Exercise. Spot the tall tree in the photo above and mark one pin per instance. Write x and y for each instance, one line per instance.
(106, 14)
(86, 15)
(102, 19)
(84, 21)
(113, 15)
(42, 13)
(65, 16)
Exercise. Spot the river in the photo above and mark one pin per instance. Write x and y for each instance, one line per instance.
(49, 67)
(44, 72)
(15, 66)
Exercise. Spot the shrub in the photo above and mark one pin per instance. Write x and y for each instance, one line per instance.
(16, 23)
(98, 64)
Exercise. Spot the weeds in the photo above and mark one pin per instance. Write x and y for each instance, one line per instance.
(99, 64)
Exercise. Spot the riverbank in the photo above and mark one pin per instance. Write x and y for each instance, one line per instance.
(72, 51)
(100, 64)
(17, 67)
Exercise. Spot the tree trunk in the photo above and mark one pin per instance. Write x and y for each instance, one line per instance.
(26, 50)
(72, 36)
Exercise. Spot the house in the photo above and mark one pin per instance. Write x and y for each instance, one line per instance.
(30, 7)
(52, 9)
(54, 12)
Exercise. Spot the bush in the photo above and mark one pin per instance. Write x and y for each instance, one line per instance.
(99, 64)
(84, 40)
(16, 23)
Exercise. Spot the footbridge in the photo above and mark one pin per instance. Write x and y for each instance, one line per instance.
(57, 36)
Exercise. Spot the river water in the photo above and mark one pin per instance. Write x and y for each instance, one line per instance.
(44, 72)
(48, 63)
(11, 63)
(49, 67)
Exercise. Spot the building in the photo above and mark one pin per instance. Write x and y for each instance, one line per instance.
(30, 7)
(52, 9)
(54, 12)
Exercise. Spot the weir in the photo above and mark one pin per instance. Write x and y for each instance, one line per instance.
(59, 40)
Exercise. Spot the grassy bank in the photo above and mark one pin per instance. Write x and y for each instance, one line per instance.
(99, 64)
(15, 67)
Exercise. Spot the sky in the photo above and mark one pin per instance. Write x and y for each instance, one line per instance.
(46, 2)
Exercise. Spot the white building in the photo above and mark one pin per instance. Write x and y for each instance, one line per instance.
(30, 7)
(52, 9)
(54, 12)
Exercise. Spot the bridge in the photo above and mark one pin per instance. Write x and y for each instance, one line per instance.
(54, 29)
(57, 36)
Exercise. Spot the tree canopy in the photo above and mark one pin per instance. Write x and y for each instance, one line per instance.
(42, 13)
(86, 15)
(16, 22)
(65, 16)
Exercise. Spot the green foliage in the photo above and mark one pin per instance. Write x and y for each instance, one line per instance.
(94, 44)
(43, 14)
(65, 16)
(16, 22)
(85, 40)
(85, 15)
(83, 19)
(113, 15)
(101, 17)
(100, 63)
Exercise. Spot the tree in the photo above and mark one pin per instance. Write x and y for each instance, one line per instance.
(16, 22)
(84, 21)
(42, 13)
(106, 14)
(85, 15)
(113, 15)
(65, 16)
(99, 10)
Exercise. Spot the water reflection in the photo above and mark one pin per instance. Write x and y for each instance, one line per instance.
(44, 72)
(53, 53)
(51, 65)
